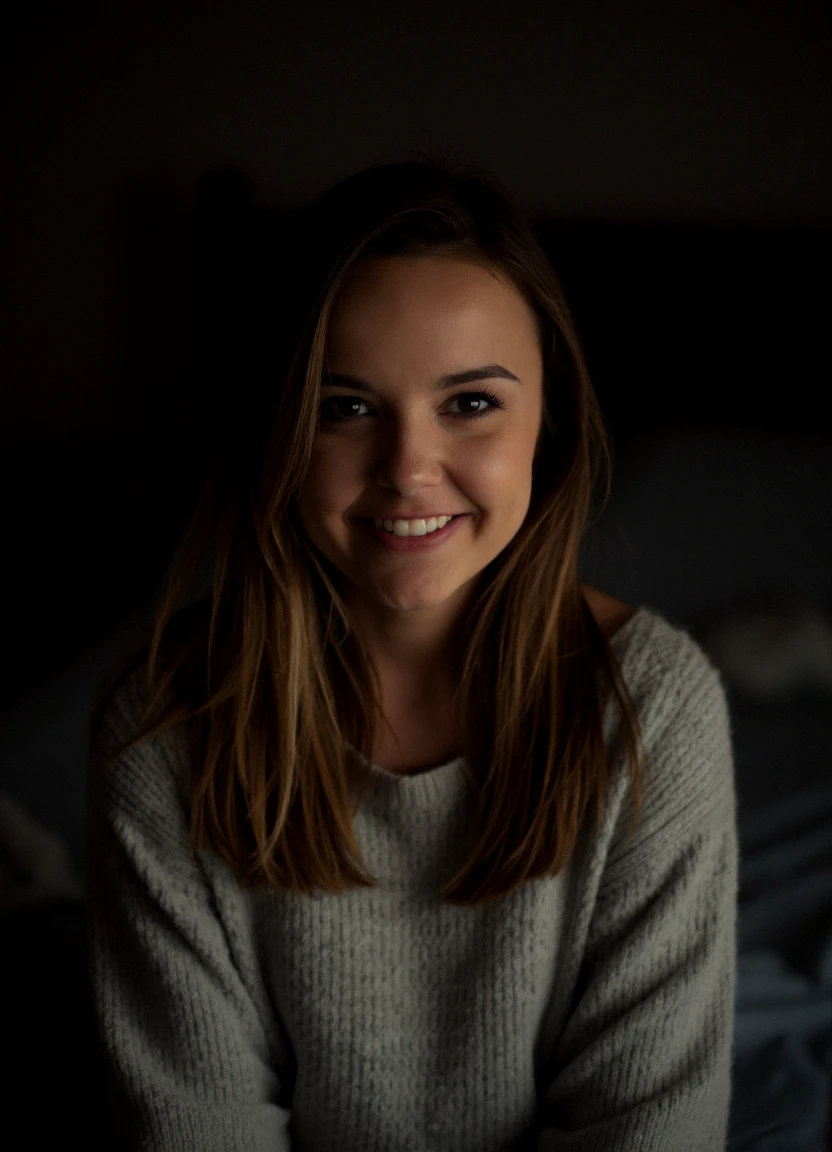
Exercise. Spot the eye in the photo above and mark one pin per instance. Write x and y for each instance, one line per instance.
(493, 400)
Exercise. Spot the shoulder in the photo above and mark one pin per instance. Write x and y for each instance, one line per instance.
(122, 694)
(685, 717)
(670, 676)
(661, 659)
(155, 768)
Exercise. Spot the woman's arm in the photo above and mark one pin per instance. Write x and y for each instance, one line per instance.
(186, 1046)
(644, 1061)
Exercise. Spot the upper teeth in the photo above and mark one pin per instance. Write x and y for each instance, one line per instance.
(413, 527)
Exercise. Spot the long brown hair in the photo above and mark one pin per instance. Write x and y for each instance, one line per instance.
(267, 674)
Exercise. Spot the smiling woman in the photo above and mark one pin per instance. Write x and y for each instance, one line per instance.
(400, 455)
(366, 826)
(411, 455)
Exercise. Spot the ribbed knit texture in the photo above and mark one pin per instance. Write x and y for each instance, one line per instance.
(592, 1012)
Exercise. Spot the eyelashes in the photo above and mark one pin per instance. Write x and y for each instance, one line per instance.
(484, 394)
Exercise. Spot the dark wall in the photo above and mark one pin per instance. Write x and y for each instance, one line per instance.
(675, 157)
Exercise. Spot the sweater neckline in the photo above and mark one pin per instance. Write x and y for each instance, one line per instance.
(435, 782)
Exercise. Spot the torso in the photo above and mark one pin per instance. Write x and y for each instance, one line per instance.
(424, 739)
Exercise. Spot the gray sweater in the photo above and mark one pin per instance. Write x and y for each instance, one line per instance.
(593, 1011)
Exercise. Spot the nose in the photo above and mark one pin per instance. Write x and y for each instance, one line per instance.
(409, 459)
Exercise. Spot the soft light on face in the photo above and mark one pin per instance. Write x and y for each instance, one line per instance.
(402, 324)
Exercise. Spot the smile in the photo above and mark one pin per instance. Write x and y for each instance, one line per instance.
(413, 527)
(420, 542)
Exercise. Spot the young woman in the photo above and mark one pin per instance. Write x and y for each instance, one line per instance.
(403, 837)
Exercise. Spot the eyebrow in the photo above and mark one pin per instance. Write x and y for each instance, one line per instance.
(486, 372)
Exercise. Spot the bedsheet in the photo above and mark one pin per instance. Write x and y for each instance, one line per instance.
(783, 1024)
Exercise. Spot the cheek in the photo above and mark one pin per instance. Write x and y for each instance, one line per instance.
(500, 471)
(501, 483)
(331, 484)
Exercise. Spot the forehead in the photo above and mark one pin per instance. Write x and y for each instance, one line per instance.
(442, 299)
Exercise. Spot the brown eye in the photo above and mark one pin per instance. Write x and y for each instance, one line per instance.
(493, 401)
(348, 402)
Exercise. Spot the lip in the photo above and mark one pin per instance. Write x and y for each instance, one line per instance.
(417, 516)
(413, 543)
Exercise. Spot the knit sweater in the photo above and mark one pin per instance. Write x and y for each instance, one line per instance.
(593, 1010)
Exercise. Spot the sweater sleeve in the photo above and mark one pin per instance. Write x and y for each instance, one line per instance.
(644, 1060)
(184, 1039)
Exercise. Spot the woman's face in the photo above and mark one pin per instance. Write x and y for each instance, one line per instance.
(401, 446)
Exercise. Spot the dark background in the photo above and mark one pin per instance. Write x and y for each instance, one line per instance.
(675, 157)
